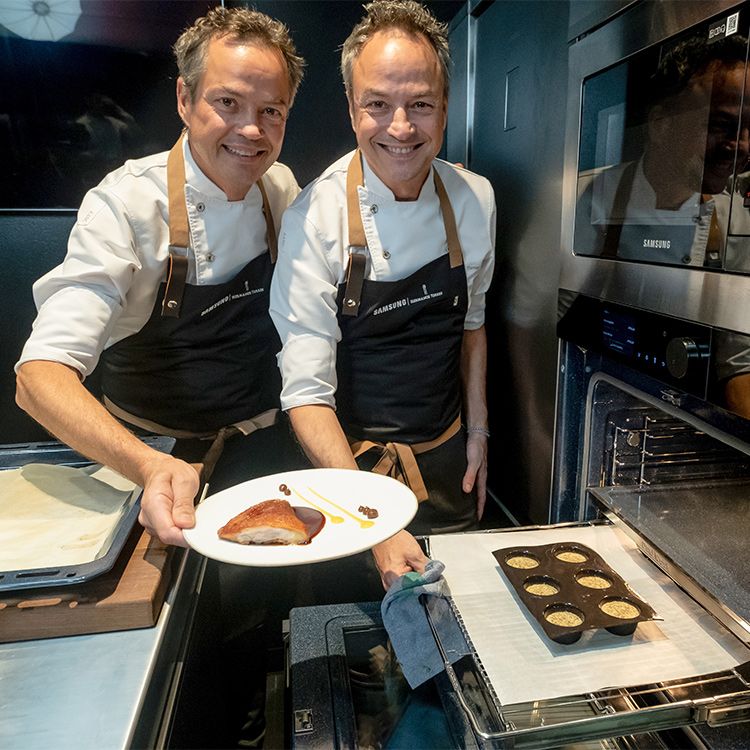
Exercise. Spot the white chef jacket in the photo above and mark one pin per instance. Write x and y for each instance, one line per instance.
(402, 237)
(106, 287)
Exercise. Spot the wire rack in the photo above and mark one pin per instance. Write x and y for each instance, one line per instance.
(647, 447)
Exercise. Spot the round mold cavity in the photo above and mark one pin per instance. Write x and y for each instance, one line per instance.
(593, 579)
(541, 586)
(566, 617)
(521, 560)
(619, 608)
(569, 553)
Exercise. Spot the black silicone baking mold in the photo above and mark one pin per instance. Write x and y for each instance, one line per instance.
(563, 587)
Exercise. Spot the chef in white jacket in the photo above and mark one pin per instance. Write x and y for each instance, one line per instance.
(166, 280)
(379, 291)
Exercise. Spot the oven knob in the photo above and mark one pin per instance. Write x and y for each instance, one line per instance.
(682, 353)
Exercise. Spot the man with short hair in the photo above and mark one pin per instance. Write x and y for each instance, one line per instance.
(166, 283)
(379, 291)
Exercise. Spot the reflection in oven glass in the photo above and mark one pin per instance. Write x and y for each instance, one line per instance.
(387, 713)
(663, 163)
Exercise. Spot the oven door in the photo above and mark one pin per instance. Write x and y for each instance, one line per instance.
(348, 690)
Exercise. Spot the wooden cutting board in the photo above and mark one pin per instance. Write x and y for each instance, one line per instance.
(129, 596)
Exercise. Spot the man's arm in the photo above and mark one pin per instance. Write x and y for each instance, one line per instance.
(52, 393)
(319, 432)
(318, 429)
(474, 379)
(737, 394)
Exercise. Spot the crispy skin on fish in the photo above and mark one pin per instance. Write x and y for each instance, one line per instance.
(269, 522)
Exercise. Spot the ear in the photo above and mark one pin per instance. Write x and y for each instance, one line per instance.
(352, 119)
(184, 100)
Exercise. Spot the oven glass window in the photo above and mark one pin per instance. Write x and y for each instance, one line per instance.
(664, 160)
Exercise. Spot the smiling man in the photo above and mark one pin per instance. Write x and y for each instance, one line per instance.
(379, 293)
(165, 284)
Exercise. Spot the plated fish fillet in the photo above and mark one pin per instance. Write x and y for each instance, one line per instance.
(268, 522)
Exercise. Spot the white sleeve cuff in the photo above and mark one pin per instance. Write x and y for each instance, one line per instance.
(308, 370)
(72, 328)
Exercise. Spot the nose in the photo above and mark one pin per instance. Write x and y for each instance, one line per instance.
(250, 128)
(400, 126)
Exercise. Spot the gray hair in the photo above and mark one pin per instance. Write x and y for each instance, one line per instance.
(406, 16)
(241, 24)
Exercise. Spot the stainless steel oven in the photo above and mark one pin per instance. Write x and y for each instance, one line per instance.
(655, 188)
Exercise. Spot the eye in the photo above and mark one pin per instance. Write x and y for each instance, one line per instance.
(376, 105)
(271, 114)
(422, 106)
(226, 101)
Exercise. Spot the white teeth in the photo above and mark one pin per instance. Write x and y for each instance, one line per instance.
(239, 153)
(397, 150)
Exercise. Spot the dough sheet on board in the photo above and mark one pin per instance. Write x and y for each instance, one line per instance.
(54, 516)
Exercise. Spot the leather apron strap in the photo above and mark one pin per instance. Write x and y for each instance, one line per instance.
(398, 460)
(265, 419)
(715, 241)
(213, 454)
(271, 238)
(355, 272)
(179, 230)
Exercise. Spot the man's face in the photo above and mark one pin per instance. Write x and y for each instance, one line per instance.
(237, 119)
(695, 145)
(398, 109)
(722, 139)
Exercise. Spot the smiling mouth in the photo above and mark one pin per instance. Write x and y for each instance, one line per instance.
(244, 153)
(399, 150)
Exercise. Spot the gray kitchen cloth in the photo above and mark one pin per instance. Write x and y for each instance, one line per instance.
(405, 620)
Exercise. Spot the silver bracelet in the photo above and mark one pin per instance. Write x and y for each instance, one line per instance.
(481, 430)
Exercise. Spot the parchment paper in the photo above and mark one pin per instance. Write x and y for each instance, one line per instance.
(53, 516)
(524, 665)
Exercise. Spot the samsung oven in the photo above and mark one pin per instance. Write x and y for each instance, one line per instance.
(656, 188)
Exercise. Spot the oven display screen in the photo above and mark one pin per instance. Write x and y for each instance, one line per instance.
(618, 332)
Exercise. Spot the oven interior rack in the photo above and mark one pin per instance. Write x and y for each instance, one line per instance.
(714, 699)
(646, 446)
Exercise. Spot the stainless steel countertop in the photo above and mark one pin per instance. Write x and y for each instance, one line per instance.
(96, 691)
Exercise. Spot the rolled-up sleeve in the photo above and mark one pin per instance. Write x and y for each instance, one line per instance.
(79, 301)
(303, 309)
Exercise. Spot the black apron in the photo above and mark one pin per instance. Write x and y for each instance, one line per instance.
(206, 358)
(399, 365)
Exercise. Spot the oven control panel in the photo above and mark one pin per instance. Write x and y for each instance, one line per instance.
(675, 351)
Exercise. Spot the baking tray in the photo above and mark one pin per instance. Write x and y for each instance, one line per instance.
(17, 455)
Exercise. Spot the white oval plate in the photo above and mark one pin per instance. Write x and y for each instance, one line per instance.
(345, 488)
